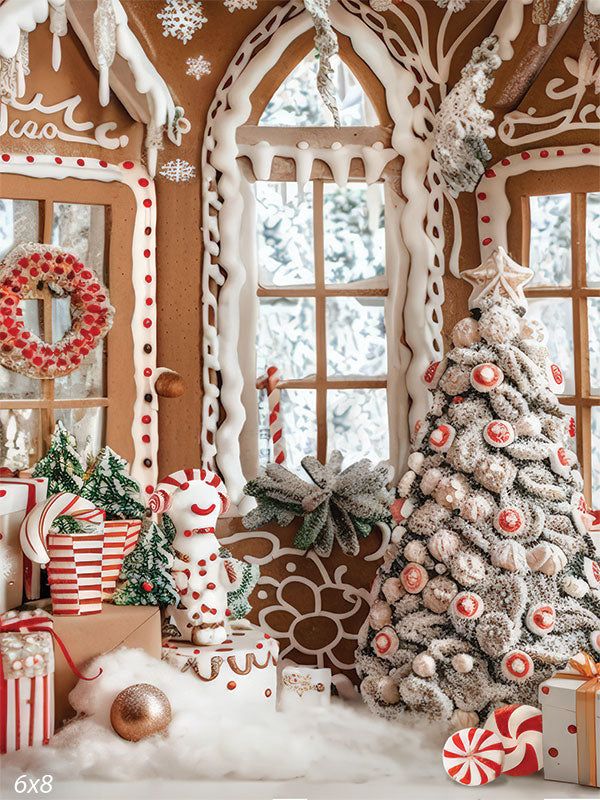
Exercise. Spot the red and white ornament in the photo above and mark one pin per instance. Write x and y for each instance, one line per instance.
(499, 433)
(401, 509)
(441, 438)
(556, 380)
(414, 578)
(517, 666)
(485, 377)
(561, 460)
(91, 312)
(582, 517)
(385, 642)
(473, 756)
(509, 521)
(467, 605)
(595, 640)
(433, 373)
(591, 570)
(519, 728)
(541, 619)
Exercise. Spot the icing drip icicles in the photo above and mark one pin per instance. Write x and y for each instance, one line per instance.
(105, 45)
(58, 28)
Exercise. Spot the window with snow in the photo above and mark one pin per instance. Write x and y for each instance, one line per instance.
(564, 252)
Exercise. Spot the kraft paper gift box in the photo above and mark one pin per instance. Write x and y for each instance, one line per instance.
(570, 703)
(17, 497)
(89, 636)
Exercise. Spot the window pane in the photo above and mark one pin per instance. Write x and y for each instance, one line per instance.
(284, 230)
(357, 423)
(84, 424)
(596, 457)
(356, 342)
(88, 379)
(592, 238)
(80, 230)
(557, 317)
(299, 419)
(20, 443)
(297, 103)
(550, 247)
(286, 336)
(13, 385)
(19, 223)
(594, 335)
(354, 232)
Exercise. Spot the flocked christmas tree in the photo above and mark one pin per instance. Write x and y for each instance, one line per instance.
(109, 485)
(62, 464)
(492, 580)
(146, 571)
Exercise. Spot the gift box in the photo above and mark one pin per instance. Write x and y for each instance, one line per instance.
(120, 537)
(17, 497)
(89, 636)
(26, 680)
(570, 703)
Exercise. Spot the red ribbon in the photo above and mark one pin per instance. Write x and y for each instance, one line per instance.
(32, 624)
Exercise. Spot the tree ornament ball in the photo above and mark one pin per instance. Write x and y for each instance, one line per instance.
(139, 711)
(147, 586)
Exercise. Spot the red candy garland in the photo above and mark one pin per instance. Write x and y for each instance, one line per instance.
(91, 312)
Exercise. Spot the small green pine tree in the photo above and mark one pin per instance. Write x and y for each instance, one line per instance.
(62, 464)
(238, 600)
(110, 487)
(146, 571)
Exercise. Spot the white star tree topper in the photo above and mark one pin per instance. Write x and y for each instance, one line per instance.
(499, 276)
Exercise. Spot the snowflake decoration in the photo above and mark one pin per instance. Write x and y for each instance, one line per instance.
(240, 5)
(178, 171)
(197, 67)
(182, 18)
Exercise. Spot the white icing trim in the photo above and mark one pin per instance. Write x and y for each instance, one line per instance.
(143, 278)
(492, 199)
(223, 207)
(134, 79)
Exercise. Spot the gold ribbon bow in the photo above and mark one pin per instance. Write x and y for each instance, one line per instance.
(587, 670)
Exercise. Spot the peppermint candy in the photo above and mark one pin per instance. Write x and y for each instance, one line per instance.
(517, 666)
(485, 377)
(541, 619)
(385, 642)
(473, 756)
(556, 380)
(509, 521)
(591, 570)
(401, 509)
(414, 577)
(467, 605)
(499, 433)
(433, 373)
(519, 729)
(561, 460)
(441, 438)
(595, 640)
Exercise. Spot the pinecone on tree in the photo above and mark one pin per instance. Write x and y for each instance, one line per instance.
(492, 579)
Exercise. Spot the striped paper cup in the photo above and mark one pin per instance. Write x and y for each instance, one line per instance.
(120, 537)
(75, 572)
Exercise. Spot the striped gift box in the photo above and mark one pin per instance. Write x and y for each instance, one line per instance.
(120, 537)
(75, 572)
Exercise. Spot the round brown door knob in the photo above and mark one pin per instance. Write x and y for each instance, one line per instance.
(169, 384)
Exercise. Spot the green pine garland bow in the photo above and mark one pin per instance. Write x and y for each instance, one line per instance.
(338, 505)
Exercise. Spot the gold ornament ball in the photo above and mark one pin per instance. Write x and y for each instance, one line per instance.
(139, 711)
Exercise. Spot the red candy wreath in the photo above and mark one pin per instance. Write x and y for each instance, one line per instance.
(21, 272)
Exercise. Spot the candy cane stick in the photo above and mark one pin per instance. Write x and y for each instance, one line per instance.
(36, 525)
(270, 381)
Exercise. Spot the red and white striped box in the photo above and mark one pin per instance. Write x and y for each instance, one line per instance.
(26, 680)
(75, 572)
(120, 537)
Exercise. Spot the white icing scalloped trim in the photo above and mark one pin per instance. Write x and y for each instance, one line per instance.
(143, 276)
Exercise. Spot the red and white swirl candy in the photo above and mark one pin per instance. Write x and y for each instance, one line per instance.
(441, 438)
(517, 666)
(561, 460)
(509, 521)
(414, 577)
(473, 756)
(591, 570)
(385, 642)
(433, 373)
(556, 380)
(541, 619)
(519, 729)
(467, 605)
(485, 377)
(37, 524)
(595, 640)
(499, 433)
